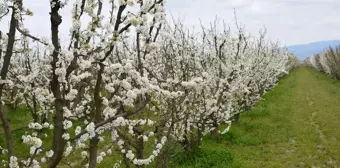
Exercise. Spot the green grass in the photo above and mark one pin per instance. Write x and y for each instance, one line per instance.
(295, 125)
(19, 120)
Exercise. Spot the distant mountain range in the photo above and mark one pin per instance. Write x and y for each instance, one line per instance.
(305, 50)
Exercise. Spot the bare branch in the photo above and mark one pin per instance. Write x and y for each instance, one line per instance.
(30, 36)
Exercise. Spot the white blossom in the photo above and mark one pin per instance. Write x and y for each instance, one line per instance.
(49, 153)
(130, 155)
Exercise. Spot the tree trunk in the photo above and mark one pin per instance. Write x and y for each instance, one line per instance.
(93, 152)
(199, 136)
(214, 132)
(140, 150)
(58, 143)
(4, 71)
(97, 117)
(236, 118)
(8, 133)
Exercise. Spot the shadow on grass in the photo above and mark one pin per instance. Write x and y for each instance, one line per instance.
(208, 156)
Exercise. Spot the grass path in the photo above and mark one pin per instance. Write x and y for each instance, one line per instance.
(296, 125)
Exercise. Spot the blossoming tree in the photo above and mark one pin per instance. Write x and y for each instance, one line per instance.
(129, 86)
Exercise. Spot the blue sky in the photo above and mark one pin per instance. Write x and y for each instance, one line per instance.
(289, 21)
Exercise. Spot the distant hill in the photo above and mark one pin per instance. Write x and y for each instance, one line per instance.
(305, 50)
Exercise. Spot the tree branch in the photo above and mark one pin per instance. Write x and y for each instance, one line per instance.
(30, 36)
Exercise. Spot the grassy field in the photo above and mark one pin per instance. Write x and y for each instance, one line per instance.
(297, 124)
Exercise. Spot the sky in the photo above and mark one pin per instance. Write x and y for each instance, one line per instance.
(288, 21)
